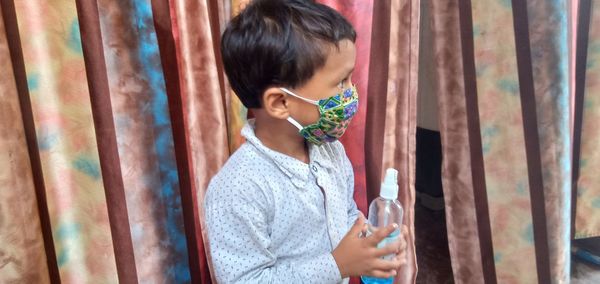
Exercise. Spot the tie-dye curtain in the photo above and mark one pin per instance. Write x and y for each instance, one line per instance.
(506, 85)
(586, 181)
(115, 115)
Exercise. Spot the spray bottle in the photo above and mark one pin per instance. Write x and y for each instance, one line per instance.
(383, 211)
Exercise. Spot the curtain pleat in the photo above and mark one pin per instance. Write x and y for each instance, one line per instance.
(549, 41)
(145, 140)
(91, 37)
(21, 233)
(391, 108)
(507, 183)
(400, 108)
(204, 116)
(587, 218)
(61, 110)
(461, 216)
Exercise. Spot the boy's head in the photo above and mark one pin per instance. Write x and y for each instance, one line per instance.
(286, 43)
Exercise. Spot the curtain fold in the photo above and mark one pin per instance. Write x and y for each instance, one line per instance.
(66, 142)
(507, 185)
(197, 59)
(398, 111)
(145, 140)
(22, 231)
(457, 183)
(587, 192)
(549, 41)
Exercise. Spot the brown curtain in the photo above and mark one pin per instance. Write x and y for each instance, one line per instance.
(461, 215)
(392, 117)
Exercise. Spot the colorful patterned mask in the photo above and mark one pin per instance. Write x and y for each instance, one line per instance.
(335, 115)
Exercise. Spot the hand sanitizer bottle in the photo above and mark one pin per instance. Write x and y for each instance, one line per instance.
(383, 211)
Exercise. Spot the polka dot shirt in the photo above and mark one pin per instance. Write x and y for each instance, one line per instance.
(274, 219)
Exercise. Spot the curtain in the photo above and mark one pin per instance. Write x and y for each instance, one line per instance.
(391, 114)
(586, 191)
(116, 114)
(18, 195)
(517, 135)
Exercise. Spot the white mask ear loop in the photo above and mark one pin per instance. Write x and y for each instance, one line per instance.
(290, 119)
(299, 97)
(295, 123)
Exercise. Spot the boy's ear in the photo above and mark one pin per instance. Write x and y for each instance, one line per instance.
(275, 103)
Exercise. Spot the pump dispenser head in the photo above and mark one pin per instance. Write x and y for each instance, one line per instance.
(389, 186)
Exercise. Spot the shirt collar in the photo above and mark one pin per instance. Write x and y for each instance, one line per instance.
(296, 170)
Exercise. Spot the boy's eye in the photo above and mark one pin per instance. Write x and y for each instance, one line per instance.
(343, 83)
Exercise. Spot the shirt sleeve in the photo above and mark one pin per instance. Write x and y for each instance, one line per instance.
(238, 233)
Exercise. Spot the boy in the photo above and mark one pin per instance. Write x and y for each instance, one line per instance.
(281, 209)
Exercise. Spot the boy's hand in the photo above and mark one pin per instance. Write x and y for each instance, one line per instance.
(356, 256)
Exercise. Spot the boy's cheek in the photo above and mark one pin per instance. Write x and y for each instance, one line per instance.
(308, 114)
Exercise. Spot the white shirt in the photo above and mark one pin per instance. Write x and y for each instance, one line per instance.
(274, 219)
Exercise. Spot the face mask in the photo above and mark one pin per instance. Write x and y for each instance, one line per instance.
(336, 113)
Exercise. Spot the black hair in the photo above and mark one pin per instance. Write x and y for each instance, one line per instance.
(279, 42)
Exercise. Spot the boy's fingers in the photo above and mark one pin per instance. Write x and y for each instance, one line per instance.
(387, 265)
(359, 225)
(402, 245)
(401, 252)
(392, 248)
(381, 234)
(402, 258)
(382, 273)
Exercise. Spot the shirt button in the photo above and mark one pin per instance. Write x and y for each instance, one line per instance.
(314, 168)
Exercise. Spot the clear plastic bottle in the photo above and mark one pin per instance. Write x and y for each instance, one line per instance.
(383, 211)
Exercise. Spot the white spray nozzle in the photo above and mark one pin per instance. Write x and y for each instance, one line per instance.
(389, 186)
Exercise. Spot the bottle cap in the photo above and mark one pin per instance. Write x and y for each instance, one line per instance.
(389, 186)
